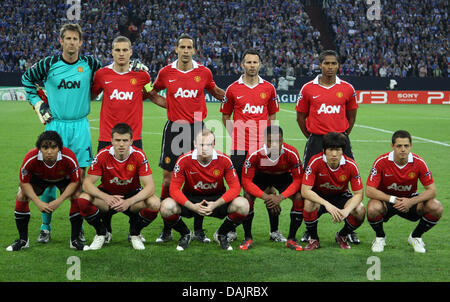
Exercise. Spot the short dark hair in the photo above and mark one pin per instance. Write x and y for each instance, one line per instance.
(401, 134)
(326, 53)
(122, 128)
(186, 36)
(250, 51)
(49, 135)
(334, 140)
(273, 129)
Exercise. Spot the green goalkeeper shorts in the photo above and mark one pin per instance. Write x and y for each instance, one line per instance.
(76, 135)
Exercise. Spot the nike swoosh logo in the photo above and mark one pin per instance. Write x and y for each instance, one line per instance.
(190, 172)
(170, 81)
(109, 168)
(239, 97)
(320, 174)
(315, 96)
(387, 175)
(107, 82)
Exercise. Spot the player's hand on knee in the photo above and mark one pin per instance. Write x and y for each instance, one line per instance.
(44, 207)
(402, 204)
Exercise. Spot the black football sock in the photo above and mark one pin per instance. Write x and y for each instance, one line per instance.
(296, 221)
(76, 221)
(22, 220)
(273, 220)
(377, 225)
(247, 225)
(96, 221)
(181, 227)
(107, 218)
(198, 223)
(425, 224)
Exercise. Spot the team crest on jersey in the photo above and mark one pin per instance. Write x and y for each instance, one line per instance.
(61, 172)
(80, 69)
(216, 172)
(339, 94)
(197, 79)
(130, 167)
(263, 95)
(133, 81)
(167, 160)
(411, 175)
(343, 177)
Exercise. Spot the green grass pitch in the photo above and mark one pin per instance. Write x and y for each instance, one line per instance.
(267, 261)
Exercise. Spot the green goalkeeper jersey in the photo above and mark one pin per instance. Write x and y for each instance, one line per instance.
(67, 85)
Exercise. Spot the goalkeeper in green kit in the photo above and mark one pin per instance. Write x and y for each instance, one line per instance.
(67, 79)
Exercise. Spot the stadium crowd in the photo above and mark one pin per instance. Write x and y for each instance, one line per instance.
(407, 41)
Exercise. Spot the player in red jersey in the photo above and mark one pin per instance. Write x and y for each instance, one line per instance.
(392, 189)
(326, 104)
(123, 93)
(253, 102)
(122, 170)
(49, 164)
(325, 188)
(197, 189)
(185, 81)
(276, 164)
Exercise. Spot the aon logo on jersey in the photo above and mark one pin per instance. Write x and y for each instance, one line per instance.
(399, 188)
(253, 109)
(329, 186)
(121, 95)
(205, 186)
(186, 93)
(330, 109)
(121, 182)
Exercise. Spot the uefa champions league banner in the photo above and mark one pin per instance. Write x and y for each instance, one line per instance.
(362, 96)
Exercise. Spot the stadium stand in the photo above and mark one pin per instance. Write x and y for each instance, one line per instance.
(409, 41)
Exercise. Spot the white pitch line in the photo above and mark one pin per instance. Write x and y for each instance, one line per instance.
(388, 131)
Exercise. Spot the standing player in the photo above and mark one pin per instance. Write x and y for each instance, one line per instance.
(253, 102)
(185, 81)
(276, 164)
(122, 169)
(392, 189)
(67, 79)
(197, 189)
(326, 104)
(325, 188)
(49, 164)
(123, 94)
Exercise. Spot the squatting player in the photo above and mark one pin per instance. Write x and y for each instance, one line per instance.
(276, 164)
(326, 104)
(253, 102)
(392, 189)
(123, 171)
(67, 79)
(197, 189)
(49, 164)
(325, 188)
(185, 81)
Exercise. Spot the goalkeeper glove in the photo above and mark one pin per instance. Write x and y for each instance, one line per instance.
(43, 111)
(137, 65)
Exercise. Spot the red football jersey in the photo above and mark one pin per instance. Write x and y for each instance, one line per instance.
(326, 107)
(289, 161)
(185, 93)
(66, 167)
(398, 181)
(204, 180)
(251, 107)
(327, 181)
(122, 99)
(119, 177)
